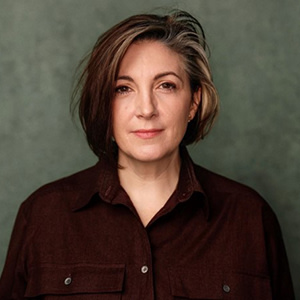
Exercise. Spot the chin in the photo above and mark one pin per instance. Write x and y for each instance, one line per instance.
(152, 154)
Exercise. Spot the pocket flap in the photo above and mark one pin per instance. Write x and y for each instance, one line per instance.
(249, 286)
(73, 279)
(192, 283)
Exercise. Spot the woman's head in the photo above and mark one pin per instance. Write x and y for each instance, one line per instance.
(181, 33)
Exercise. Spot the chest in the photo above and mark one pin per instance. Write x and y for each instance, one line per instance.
(107, 253)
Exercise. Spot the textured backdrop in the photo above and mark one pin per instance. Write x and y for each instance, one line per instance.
(256, 65)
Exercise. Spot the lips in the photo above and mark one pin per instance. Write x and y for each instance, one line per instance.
(147, 133)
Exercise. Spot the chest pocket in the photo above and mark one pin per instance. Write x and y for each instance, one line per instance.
(80, 281)
(192, 283)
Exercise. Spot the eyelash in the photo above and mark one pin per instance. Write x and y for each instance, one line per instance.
(168, 86)
(122, 89)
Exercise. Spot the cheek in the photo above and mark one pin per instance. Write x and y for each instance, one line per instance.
(116, 112)
(179, 121)
(183, 118)
(115, 120)
(120, 120)
(182, 113)
(121, 110)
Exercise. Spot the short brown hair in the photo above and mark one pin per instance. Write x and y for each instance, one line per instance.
(180, 32)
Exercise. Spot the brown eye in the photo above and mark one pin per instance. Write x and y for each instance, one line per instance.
(168, 86)
(123, 89)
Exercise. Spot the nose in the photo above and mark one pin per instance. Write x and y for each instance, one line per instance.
(146, 105)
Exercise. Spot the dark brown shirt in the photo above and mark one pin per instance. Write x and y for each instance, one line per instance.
(81, 238)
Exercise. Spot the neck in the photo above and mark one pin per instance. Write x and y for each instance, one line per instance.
(150, 184)
(137, 172)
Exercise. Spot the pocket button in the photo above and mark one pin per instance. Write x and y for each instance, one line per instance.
(226, 288)
(68, 281)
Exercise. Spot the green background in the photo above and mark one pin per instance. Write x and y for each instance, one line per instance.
(256, 65)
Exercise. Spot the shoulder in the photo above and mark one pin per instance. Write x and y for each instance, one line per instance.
(212, 181)
(239, 206)
(72, 182)
(61, 193)
(226, 193)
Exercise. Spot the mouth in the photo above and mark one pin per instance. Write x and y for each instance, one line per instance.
(147, 133)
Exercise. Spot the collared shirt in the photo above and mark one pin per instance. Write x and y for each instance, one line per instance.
(81, 238)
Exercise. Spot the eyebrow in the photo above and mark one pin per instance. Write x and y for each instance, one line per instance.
(158, 76)
(166, 74)
(125, 78)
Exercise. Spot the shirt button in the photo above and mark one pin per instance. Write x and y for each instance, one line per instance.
(226, 288)
(68, 280)
(144, 269)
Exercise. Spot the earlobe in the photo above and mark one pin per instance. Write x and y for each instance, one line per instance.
(196, 100)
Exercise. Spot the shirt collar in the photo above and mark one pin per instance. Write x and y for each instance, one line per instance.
(103, 179)
(189, 184)
(100, 179)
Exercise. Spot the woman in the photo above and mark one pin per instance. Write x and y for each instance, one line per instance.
(145, 222)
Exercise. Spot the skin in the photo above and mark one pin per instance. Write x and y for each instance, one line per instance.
(151, 109)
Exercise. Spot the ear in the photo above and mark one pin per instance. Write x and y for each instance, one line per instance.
(196, 100)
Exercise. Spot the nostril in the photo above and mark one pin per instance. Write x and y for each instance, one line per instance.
(147, 108)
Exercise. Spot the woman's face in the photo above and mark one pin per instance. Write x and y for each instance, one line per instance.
(152, 103)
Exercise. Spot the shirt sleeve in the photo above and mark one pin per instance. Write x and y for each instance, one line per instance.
(12, 282)
(281, 281)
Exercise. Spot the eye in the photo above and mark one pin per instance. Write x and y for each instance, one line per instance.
(168, 86)
(122, 89)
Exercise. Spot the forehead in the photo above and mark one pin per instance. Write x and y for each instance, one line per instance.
(153, 55)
